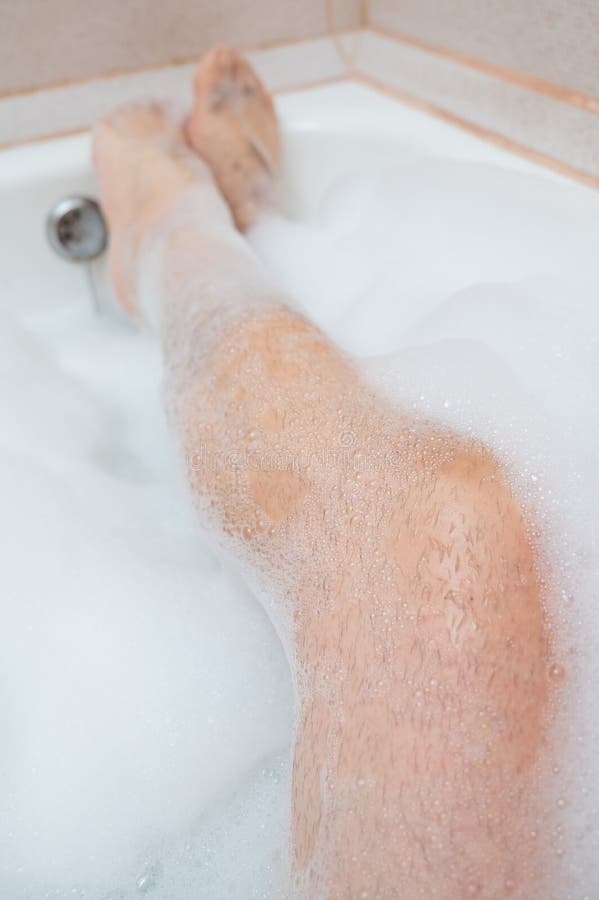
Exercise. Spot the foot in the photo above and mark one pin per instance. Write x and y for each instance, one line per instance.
(233, 127)
(143, 164)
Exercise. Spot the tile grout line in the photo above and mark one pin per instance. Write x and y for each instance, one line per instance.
(352, 70)
(169, 64)
(492, 137)
(556, 92)
(71, 132)
(529, 82)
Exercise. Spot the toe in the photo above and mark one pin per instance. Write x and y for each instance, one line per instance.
(224, 77)
(142, 121)
(220, 62)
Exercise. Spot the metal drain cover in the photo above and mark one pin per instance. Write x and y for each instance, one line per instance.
(76, 229)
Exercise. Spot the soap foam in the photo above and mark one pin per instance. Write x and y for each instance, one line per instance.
(140, 681)
(147, 699)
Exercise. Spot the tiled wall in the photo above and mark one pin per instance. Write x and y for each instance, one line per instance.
(556, 132)
(553, 40)
(47, 42)
(522, 71)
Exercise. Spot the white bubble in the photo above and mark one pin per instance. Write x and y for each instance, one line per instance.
(146, 687)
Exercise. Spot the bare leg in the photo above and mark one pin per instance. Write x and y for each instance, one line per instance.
(395, 558)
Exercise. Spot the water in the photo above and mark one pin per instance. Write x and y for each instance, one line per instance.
(146, 698)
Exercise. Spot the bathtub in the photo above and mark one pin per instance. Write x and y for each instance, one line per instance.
(330, 133)
(327, 129)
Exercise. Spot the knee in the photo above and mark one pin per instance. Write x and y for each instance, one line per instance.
(488, 624)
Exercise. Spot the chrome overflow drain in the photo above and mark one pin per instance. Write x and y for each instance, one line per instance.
(76, 230)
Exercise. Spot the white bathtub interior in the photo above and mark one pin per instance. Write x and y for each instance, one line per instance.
(146, 703)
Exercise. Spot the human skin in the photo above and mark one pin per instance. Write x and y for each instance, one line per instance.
(393, 555)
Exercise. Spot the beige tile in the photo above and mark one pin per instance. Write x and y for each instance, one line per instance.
(297, 64)
(549, 126)
(56, 110)
(555, 40)
(344, 15)
(45, 42)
